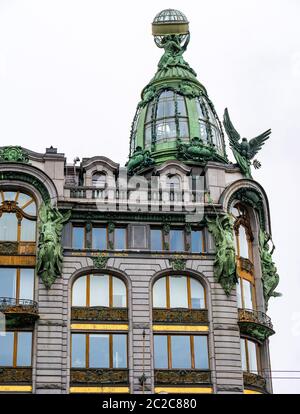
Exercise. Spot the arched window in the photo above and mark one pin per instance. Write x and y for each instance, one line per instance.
(178, 292)
(17, 217)
(99, 290)
(99, 179)
(173, 182)
(166, 118)
(134, 131)
(243, 242)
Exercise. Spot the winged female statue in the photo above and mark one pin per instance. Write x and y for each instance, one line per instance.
(244, 150)
(50, 258)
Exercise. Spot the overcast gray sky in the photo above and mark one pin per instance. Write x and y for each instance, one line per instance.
(71, 72)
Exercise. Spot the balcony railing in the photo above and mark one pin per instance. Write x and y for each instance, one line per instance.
(19, 312)
(255, 323)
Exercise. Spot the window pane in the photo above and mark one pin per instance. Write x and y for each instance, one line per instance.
(183, 129)
(243, 243)
(119, 293)
(197, 241)
(247, 294)
(156, 240)
(99, 236)
(23, 199)
(28, 228)
(181, 108)
(24, 349)
(197, 294)
(99, 290)
(159, 293)
(201, 352)
(78, 350)
(239, 294)
(78, 237)
(252, 357)
(10, 195)
(30, 209)
(8, 227)
(176, 240)
(79, 292)
(160, 351)
(99, 351)
(8, 277)
(120, 239)
(178, 292)
(119, 351)
(6, 349)
(243, 354)
(26, 283)
(181, 351)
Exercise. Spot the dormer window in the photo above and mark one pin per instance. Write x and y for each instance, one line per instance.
(99, 180)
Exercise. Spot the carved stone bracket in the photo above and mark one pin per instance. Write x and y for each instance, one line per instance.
(100, 261)
(181, 377)
(178, 263)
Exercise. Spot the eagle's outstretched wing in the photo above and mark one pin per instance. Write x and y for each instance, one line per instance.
(256, 143)
(232, 133)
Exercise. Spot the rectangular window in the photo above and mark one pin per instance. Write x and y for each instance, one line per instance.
(99, 351)
(119, 351)
(138, 237)
(197, 241)
(120, 239)
(99, 290)
(78, 350)
(8, 277)
(201, 352)
(247, 290)
(160, 351)
(26, 284)
(99, 238)
(15, 349)
(156, 240)
(250, 356)
(28, 230)
(181, 351)
(78, 237)
(177, 240)
(103, 350)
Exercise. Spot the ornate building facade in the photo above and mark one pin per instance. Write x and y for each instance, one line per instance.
(154, 278)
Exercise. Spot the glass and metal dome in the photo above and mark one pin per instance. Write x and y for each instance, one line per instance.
(175, 118)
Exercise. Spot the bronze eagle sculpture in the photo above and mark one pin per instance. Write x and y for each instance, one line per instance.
(244, 150)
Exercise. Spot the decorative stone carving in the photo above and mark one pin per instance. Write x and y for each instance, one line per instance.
(246, 265)
(225, 263)
(255, 381)
(98, 313)
(178, 263)
(99, 376)
(175, 315)
(100, 261)
(196, 150)
(15, 375)
(255, 324)
(50, 257)
(139, 159)
(270, 277)
(8, 248)
(253, 199)
(181, 377)
(13, 154)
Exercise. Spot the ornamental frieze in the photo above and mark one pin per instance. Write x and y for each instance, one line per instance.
(193, 316)
(99, 376)
(99, 314)
(182, 377)
(15, 375)
(255, 381)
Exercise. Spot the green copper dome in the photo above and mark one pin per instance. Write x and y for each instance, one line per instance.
(175, 118)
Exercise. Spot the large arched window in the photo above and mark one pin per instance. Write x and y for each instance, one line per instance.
(17, 217)
(243, 243)
(166, 118)
(178, 292)
(99, 290)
